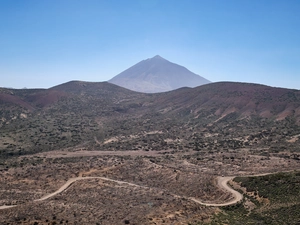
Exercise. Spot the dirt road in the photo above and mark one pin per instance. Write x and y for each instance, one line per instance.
(71, 181)
(222, 183)
(83, 153)
(7, 206)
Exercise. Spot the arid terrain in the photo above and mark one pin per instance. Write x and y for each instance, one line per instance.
(151, 158)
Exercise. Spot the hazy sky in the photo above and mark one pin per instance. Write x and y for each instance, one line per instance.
(47, 42)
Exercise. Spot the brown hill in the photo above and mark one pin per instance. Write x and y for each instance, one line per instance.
(30, 99)
(104, 116)
(223, 98)
(218, 99)
(100, 89)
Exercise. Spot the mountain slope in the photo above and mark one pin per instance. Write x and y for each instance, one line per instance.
(104, 116)
(30, 99)
(223, 98)
(157, 75)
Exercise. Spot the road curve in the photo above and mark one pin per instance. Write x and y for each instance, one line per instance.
(222, 183)
(71, 181)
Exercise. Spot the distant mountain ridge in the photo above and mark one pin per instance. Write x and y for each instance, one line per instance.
(216, 99)
(157, 75)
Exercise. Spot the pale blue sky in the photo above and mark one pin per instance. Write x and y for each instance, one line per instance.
(47, 42)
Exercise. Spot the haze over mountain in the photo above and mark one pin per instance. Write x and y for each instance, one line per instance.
(157, 75)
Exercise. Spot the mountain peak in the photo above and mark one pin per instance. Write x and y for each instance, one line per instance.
(157, 57)
(157, 75)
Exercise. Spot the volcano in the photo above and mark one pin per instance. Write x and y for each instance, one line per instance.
(157, 75)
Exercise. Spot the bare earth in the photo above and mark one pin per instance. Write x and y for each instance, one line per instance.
(84, 153)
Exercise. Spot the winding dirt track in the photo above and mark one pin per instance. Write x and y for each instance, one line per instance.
(222, 183)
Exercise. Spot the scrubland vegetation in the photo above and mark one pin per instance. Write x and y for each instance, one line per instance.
(175, 144)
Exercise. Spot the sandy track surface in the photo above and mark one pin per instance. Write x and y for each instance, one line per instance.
(222, 183)
(7, 206)
(84, 153)
(71, 181)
